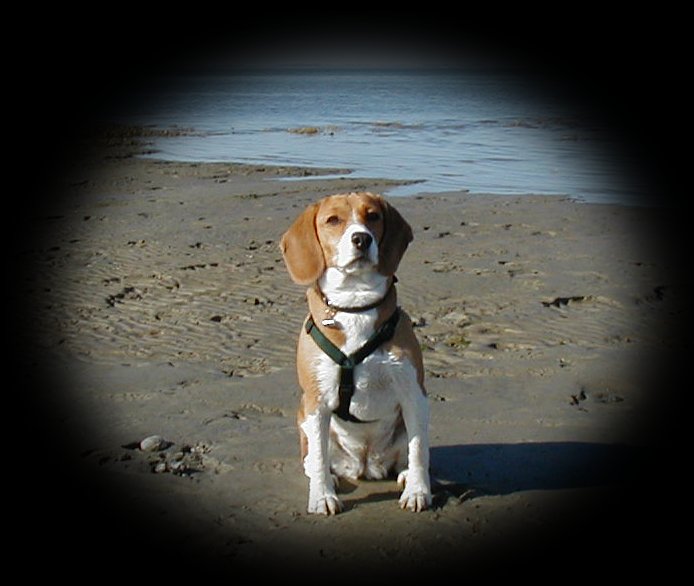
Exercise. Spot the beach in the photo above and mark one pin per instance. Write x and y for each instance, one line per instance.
(160, 306)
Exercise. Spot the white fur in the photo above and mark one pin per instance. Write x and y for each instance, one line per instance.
(353, 289)
(352, 281)
(321, 491)
(347, 254)
(387, 394)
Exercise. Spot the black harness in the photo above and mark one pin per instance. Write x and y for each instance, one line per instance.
(347, 363)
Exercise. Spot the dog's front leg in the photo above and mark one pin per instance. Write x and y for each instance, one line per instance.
(416, 494)
(321, 491)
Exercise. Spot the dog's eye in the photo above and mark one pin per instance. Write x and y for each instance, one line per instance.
(333, 220)
(373, 217)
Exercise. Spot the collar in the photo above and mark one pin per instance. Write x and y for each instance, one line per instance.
(331, 309)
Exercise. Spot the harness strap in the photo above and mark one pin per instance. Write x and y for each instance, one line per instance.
(347, 363)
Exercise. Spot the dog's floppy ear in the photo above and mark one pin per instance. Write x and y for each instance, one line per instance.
(396, 237)
(301, 250)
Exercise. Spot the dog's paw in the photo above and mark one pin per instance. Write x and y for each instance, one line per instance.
(327, 504)
(416, 494)
(415, 501)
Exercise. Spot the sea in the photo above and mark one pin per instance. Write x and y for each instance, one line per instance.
(441, 131)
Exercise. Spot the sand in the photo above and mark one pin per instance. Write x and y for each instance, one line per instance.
(160, 305)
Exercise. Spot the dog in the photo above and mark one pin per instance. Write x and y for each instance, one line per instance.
(364, 411)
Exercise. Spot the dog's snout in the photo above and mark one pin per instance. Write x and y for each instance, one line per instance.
(362, 240)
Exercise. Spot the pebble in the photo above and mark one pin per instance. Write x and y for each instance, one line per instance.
(154, 443)
(160, 467)
(177, 467)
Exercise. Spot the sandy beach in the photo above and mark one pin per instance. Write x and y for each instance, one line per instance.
(160, 305)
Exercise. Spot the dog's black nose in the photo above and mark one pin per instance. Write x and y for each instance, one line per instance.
(362, 240)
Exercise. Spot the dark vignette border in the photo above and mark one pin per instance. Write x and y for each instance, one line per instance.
(73, 524)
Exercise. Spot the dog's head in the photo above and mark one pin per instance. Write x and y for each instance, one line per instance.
(351, 232)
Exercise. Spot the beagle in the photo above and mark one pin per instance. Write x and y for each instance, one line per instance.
(364, 411)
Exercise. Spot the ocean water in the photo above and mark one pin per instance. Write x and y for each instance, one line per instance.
(447, 130)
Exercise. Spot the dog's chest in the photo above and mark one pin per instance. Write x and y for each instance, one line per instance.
(374, 396)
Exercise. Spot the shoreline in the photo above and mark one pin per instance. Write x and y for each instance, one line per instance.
(134, 141)
(160, 301)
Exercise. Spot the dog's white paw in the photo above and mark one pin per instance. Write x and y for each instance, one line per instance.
(327, 504)
(416, 494)
(415, 501)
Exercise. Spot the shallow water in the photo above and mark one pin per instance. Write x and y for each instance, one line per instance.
(448, 131)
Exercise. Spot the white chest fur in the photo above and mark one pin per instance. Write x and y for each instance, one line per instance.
(377, 445)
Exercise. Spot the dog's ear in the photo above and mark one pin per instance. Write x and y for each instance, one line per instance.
(396, 237)
(301, 250)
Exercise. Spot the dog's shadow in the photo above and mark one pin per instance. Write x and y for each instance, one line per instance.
(464, 472)
(468, 471)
